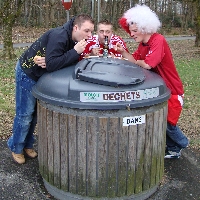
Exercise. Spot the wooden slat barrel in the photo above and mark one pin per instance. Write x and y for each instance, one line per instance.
(89, 154)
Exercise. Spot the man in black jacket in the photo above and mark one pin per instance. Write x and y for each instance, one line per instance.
(57, 48)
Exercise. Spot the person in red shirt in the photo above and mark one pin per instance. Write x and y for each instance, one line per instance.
(96, 42)
(153, 53)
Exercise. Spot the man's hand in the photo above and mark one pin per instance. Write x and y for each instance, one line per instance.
(40, 61)
(80, 46)
(95, 51)
(118, 47)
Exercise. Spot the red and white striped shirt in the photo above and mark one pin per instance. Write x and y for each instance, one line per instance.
(93, 42)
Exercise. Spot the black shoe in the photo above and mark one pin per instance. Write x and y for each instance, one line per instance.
(172, 154)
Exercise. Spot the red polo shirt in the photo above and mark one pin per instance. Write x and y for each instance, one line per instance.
(157, 54)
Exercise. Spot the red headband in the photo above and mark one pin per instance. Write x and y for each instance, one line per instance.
(124, 25)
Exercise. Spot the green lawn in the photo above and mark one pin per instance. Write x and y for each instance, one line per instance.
(7, 86)
(190, 75)
(190, 118)
(7, 92)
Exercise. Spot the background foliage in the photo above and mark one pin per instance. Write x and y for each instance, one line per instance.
(50, 13)
(184, 14)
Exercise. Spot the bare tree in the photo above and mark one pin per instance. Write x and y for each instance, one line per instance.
(197, 40)
(9, 12)
(50, 13)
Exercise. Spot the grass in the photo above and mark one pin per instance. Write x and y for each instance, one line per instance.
(188, 65)
(7, 92)
(189, 72)
(190, 118)
(6, 86)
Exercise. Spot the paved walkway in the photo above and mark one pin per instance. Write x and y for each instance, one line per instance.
(19, 45)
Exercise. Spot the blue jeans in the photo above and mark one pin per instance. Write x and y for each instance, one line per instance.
(175, 139)
(26, 114)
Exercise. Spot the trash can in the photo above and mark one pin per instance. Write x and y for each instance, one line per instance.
(101, 130)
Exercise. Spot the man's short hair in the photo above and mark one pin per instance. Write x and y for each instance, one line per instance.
(105, 22)
(80, 19)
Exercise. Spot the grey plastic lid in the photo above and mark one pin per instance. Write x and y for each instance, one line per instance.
(109, 72)
(103, 84)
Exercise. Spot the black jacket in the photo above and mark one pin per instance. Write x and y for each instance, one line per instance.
(56, 45)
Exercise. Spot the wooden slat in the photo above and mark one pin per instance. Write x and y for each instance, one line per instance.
(64, 158)
(49, 152)
(39, 130)
(165, 111)
(81, 134)
(112, 156)
(163, 139)
(148, 150)
(160, 167)
(139, 174)
(91, 155)
(43, 142)
(56, 149)
(154, 149)
(102, 155)
(72, 154)
(122, 160)
(132, 159)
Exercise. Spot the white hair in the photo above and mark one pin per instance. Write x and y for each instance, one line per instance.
(145, 19)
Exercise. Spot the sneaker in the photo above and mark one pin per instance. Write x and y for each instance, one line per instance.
(31, 153)
(18, 158)
(172, 154)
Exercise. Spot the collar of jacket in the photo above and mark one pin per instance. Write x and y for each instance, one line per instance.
(68, 26)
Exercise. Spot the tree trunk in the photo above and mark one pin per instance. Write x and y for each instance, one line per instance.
(52, 9)
(114, 13)
(47, 13)
(75, 7)
(10, 9)
(8, 50)
(197, 40)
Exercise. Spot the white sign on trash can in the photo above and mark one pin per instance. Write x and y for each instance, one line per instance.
(127, 121)
(119, 96)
